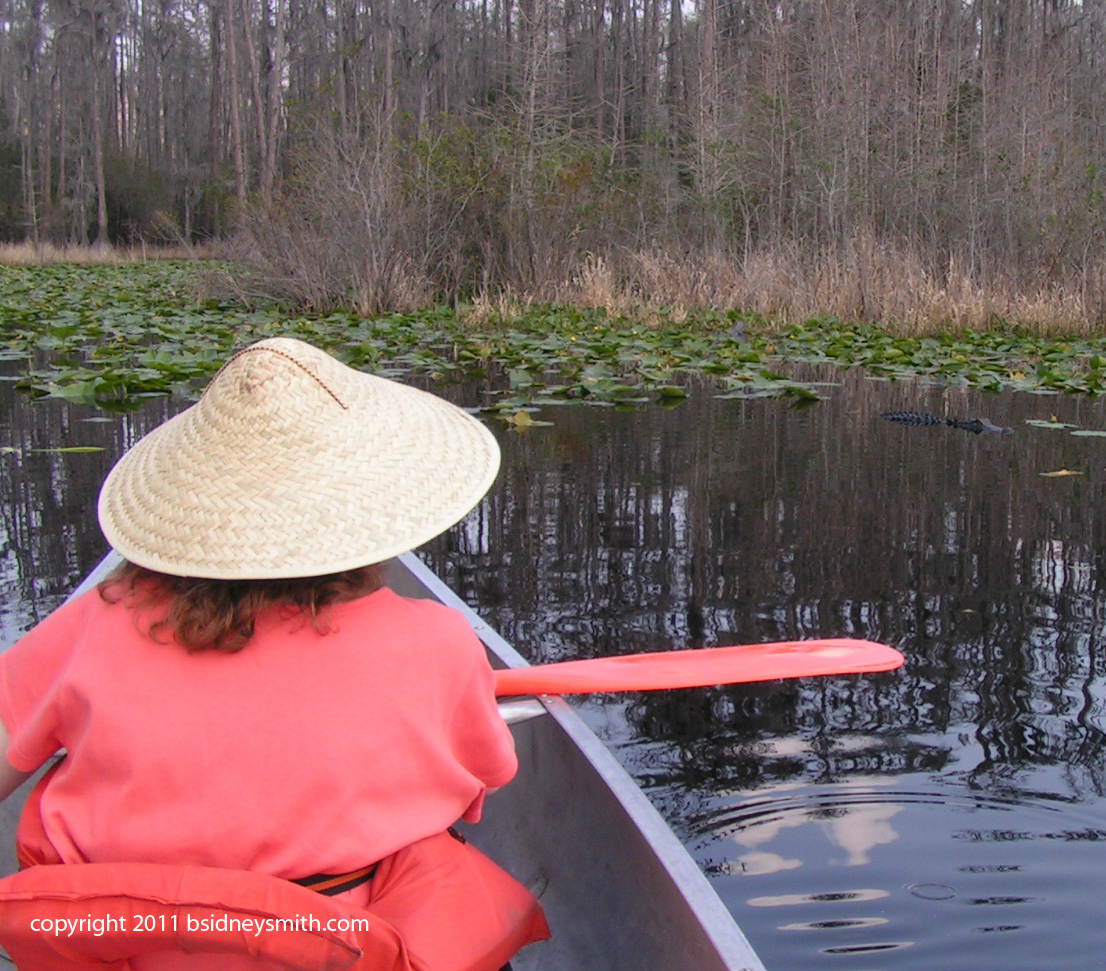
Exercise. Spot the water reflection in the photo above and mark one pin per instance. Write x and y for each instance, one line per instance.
(49, 537)
(856, 829)
(914, 819)
(731, 522)
(741, 521)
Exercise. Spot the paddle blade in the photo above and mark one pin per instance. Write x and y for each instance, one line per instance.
(698, 668)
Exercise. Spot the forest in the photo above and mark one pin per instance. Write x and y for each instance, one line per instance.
(918, 160)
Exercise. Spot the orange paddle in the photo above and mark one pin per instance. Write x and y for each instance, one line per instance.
(698, 668)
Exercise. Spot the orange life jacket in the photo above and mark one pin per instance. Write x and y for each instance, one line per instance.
(437, 905)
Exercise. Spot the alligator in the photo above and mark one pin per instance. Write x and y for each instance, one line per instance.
(973, 425)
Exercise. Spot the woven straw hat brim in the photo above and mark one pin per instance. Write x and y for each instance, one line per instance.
(294, 465)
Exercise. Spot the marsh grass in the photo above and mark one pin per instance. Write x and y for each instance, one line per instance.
(46, 254)
(863, 284)
(500, 308)
(111, 335)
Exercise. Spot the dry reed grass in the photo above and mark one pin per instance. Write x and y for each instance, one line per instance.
(863, 283)
(43, 254)
(498, 308)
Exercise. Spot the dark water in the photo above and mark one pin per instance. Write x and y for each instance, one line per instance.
(951, 815)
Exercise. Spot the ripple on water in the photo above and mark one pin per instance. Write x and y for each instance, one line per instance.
(816, 874)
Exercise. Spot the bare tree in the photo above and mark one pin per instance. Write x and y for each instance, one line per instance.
(962, 132)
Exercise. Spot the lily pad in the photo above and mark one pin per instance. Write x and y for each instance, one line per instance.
(522, 420)
(1042, 423)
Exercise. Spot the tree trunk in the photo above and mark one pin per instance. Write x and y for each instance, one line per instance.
(98, 152)
(235, 108)
(255, 88)
(276, 100)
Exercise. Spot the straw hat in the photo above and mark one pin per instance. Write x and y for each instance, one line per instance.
(293, 464)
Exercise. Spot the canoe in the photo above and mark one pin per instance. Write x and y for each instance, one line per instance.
(618, 888)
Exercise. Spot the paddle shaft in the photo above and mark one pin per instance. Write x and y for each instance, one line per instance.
(698, 668)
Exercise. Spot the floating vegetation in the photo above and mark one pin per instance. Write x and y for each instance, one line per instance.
(1051, 423)
(112, 335)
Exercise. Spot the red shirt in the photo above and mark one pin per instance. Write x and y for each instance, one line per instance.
(303, 753)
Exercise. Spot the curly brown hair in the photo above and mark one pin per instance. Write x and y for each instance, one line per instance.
(219, 615)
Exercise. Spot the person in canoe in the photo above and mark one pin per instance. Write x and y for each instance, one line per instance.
(245, 692)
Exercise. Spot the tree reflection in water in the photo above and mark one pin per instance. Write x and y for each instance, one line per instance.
(737, 521)
(732, 522)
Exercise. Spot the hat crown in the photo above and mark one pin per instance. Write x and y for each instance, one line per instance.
(279, 384)
(253, 371)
